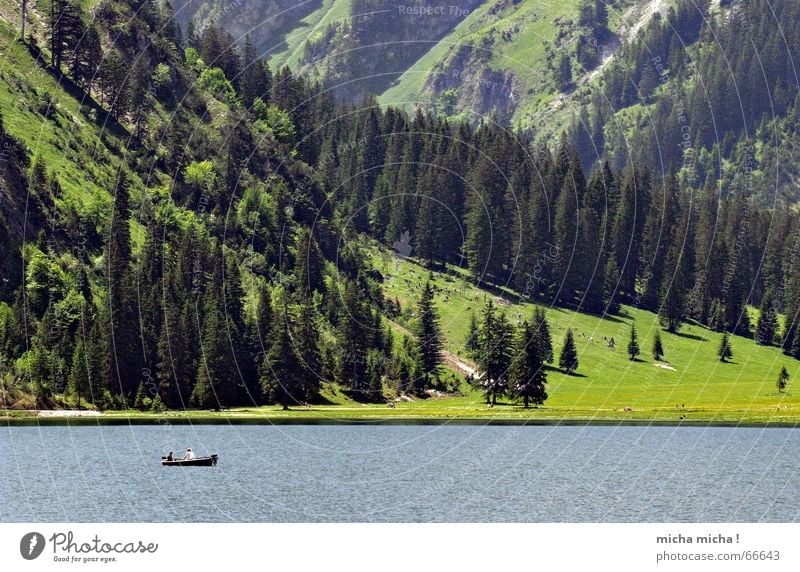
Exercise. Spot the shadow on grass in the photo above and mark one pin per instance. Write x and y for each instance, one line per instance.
(690, 336)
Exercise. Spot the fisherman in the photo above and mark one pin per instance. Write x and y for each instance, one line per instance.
(189, 455)
(170, 457)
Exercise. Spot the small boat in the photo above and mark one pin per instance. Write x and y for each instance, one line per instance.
(209, 461)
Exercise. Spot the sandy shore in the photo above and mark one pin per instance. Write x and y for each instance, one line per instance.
(67, 413)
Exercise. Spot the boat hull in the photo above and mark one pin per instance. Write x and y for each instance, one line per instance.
(197, 462)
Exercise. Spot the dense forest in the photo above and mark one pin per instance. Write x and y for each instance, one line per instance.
(708, 87)
(231, 266)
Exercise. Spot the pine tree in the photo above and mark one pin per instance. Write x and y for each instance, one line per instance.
(528, 377)
(658, 348)
(124, 339)
(139, 89)
(725, 352)
(429, 337)
(568, 360)
(256, 80)
(309, 268)
(280, 371)
(83, 65)
(600, 18)
(66, 27)
(494, 357)
(113, 85)
(783, 379)
(79, 384)
(633, 344)
(564, 74)
(472, 343)
(354, 345)
(611, 277)
(306, 345)
(671, 293)
(139, 401)
(767, 327)
(543, 336)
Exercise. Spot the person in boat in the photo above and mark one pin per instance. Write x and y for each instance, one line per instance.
(170, 457)
(189, 455)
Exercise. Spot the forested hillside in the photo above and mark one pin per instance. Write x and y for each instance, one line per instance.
(183, 226)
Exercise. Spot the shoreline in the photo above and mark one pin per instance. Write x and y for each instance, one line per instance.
(304, 417)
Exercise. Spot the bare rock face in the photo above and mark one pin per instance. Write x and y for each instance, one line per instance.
(473, 84)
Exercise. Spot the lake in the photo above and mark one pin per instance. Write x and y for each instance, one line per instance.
(322, 473)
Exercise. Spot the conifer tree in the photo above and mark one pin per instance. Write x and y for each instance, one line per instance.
(725, 352)
(564, 74)
(256, 78)
(309, 268)
(473, 343)
(79, 384)
(123, 335)
(494, 357)
(600, 17)
(66, 27)
(306, 345)
(528, 377)
(658, 348)
(633, 344)
(280, 371)
(429, 337)
(672, 304)
(543, 336)
(611, 276)
(568, 360)
(567, 272)
(767, 327)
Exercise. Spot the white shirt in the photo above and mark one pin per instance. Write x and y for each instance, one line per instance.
(188, 456)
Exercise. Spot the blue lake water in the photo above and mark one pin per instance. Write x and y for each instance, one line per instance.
(319, 473)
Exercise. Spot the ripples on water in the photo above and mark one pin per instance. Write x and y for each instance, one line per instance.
(401, 473)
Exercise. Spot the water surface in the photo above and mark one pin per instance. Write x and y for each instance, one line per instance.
(400, 473)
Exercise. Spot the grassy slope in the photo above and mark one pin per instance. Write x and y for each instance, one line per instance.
(308, 29)
(69, 143)
(524, 54)
(608, 381)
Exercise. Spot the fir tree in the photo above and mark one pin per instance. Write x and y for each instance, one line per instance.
(66, 27)
(139, 401)
(767, 327)
(528, 377)
(280, 372)
(600, 18)
(429, 337)
(658, 348)
(473, 343)
(671, 296)
(306, 345)
(633, 344)
(79, 384)
(564, 74)
(568, 360)
(494, 357)
(543, 336)
(124, 335)
(725, 352)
